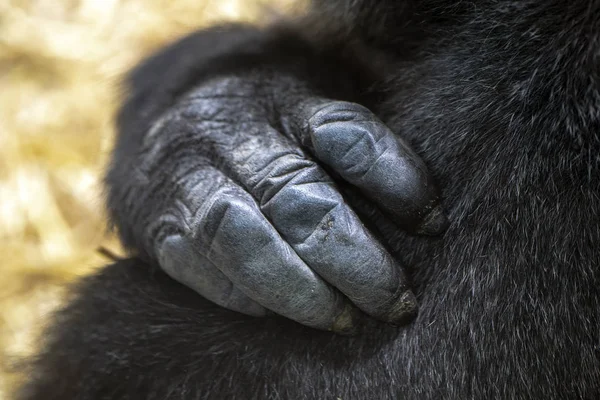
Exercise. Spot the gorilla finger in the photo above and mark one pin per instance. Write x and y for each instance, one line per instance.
(305, 207)
(311, 215)
(366, 153)
(231, 232)
(180, 260)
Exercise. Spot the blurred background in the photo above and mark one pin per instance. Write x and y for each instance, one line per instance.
(60, 65)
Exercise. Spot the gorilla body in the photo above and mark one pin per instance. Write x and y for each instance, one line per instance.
(502, 101)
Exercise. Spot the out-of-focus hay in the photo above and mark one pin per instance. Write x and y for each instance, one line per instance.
(60, 62)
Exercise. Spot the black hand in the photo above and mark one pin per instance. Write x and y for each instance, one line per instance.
(238, 208)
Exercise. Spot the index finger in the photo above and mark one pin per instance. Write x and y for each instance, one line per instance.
(366, 153)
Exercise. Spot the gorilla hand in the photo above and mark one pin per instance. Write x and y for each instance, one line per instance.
(239, 208)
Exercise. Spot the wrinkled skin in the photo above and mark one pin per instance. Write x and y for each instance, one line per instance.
(230, 185)
(500, 99)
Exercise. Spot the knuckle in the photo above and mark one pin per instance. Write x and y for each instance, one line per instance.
(284, 172)
(346, 136)
(347, 147)
(339, 111)
(297, 195)
(301, 209)
(227, 211)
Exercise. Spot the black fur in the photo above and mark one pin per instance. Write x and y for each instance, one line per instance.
(502, 100)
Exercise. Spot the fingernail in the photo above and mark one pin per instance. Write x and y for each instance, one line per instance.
(434, 223)
(404, 309)
(346, 322)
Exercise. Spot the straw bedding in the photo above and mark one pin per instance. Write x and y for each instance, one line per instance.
(60, 64)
